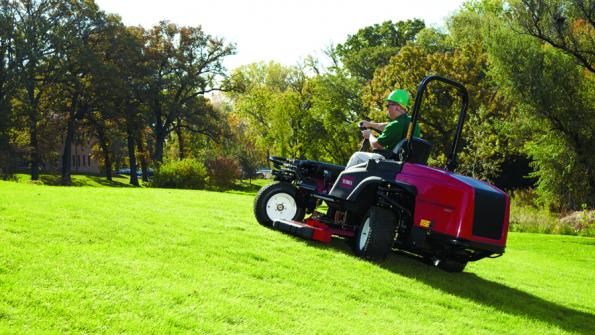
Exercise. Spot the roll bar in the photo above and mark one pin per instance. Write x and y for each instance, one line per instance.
(451, 162)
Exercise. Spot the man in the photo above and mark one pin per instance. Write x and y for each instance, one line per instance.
(392, 132)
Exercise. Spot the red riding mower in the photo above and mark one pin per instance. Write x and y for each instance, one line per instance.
(398, 203)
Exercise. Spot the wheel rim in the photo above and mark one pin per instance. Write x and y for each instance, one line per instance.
(281, 206)
(363, 235)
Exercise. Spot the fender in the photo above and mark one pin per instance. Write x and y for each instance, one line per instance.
(374, 181)
(363, 194)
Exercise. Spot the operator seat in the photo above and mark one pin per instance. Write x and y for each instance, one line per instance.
(420, 151)
(419, 154)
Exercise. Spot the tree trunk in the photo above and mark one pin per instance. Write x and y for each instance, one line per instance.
(159, 142)
(66, 155)
(132, 158)
(34, 147)
(180, 138)
(99, 128)
(107, 159)
(143, 159)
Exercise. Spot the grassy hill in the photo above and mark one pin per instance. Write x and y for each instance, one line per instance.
(143, 261)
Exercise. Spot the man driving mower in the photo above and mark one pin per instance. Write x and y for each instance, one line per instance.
(391, 132)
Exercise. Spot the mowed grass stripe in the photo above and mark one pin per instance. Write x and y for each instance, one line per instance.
(125, 260)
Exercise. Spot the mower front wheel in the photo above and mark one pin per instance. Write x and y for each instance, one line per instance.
(278, 201)
(375, 236)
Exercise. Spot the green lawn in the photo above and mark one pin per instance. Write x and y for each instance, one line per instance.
(155, 261)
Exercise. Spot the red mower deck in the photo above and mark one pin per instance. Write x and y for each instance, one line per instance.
(311, 229)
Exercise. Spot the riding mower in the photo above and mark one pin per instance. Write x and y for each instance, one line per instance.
(398, 203)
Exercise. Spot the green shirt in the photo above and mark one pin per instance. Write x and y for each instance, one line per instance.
(395, 131)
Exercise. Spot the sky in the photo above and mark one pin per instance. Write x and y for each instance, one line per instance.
(284, 31)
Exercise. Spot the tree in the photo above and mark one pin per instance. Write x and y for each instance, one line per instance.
(36, 61)
(7, 85)
(373, 46)
(126, 71)
(186, 63)
(433, 40)
(554, 91)
(568, 25)
(336, 108)
(275, 101)
(76, 41)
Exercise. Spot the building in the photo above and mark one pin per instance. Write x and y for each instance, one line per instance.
(82, 158)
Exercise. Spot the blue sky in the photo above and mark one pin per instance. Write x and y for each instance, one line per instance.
(284, 31)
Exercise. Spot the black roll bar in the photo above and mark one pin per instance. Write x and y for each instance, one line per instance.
(451, 162)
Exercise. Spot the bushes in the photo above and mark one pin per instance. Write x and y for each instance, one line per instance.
(526, 216)
(186, 173)
(219, 173)
(223, 172)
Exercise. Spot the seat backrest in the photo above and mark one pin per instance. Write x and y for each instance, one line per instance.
(420, 151)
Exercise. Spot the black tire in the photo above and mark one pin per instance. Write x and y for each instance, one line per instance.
(279, 189)
(452, 265)
(376, 233)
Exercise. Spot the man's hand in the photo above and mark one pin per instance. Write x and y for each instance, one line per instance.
(366, 133)
(365, 124)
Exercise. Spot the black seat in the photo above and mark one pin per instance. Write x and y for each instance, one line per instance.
(420, 151)
(419, 154)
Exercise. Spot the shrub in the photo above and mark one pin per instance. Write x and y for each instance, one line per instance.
(531, 219)
(186, 173)
(223, 172)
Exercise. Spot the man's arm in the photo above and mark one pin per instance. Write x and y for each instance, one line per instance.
(373, 140)
(376, 125)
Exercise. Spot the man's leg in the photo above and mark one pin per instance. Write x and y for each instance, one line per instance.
(359, 157)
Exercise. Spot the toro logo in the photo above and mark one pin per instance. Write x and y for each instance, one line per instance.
(347, 182)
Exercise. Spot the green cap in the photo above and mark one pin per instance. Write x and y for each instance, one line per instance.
(399, 96)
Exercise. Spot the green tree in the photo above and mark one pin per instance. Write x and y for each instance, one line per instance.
(433, 40)
(568, 25)
(373, 46)
(37, 63)
(335, 109)
(272, 97)
(186, 63)
(554, 90)
(7, 86)
(121, 88)
(76, 42)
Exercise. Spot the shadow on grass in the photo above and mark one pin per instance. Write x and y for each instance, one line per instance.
(481, 291)
(109, 183)
(247, 188)
(78, 181)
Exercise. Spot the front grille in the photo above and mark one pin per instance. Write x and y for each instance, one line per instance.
(488, 216)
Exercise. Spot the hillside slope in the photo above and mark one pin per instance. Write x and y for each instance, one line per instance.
(123, 260)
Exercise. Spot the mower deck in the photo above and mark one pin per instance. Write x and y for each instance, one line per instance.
(311, 229)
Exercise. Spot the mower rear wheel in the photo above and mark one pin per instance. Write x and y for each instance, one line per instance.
(278, 201)
(375, 236)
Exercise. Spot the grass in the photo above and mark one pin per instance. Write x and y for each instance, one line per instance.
(158, 261)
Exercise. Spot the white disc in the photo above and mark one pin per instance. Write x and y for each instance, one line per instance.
(281, 206)
(364, 234)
